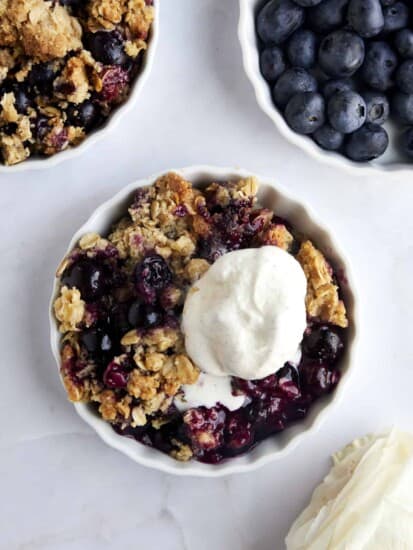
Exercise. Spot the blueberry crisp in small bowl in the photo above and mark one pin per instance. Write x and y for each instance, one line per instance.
(65, 68)
(202, 321)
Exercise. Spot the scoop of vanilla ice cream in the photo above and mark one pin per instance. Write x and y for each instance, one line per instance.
(246, 316)
(365, 502)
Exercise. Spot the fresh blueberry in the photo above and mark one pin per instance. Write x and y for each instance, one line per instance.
(302, 48)
(402, 107)
(272, 63)
(404, 76)
(341, 53)
(396, 17)
(88, 277)
(406, 142)
(106, 47)
(323, 343)
(327, 15)
(85, 114)
(367, 143)
(404, 43)
(337, 85)
(365, 17)
(328, 138)
(346, 111)
(278, 19)
(379, 65)
(377, 107)
(305, 112)
(292, 81)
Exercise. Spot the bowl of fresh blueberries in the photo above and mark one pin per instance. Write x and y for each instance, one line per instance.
(335, 76)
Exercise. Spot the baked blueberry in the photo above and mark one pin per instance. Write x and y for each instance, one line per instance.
(396, 17)
(292, 81)
(278, 19)
(346, 111)
(136, 314)
(152, 274)
(328, 138)
(85, 115)
(323, 343)
(404, 76)
(106, 47)
(22, 100)
(379, 65)
(403, 42)
(305, 112)
(327, 15)
(406, 142)
(88, 276)
(367, 143)
(402, 107)
(337, 85)
(377, 107)
(41, 78)
(341, 53)
(302, 49)
(272, 63)
(365, 17)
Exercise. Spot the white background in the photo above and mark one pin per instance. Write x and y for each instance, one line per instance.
(61, 487)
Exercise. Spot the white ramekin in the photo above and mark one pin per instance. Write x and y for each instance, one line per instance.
(284, 205)
(113, 119)
(389, 163)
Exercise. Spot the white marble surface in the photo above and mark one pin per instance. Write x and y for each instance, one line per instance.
(61, 487)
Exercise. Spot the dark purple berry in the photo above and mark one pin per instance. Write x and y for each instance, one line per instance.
(238, 430)
(85, 114)
(136, 314)
(323, 343)
(106, 47)
(318, 379)
(88, 277)
(152, 274)
(41, 78)
(153, 317)
(115, 376)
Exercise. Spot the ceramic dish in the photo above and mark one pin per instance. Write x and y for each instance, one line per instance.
(110, 123)
(272, 197)
(390, 162)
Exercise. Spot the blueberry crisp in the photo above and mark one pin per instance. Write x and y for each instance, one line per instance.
(121, 309)
(64, 66)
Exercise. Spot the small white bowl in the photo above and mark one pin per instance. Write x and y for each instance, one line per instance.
(390, 162)
(40, 163)
(275, 447)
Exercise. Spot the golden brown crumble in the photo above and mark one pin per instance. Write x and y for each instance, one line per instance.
(322, 299)
(44, 30)
(69, 309)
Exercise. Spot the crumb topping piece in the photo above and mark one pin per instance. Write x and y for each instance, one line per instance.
(322, 299)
